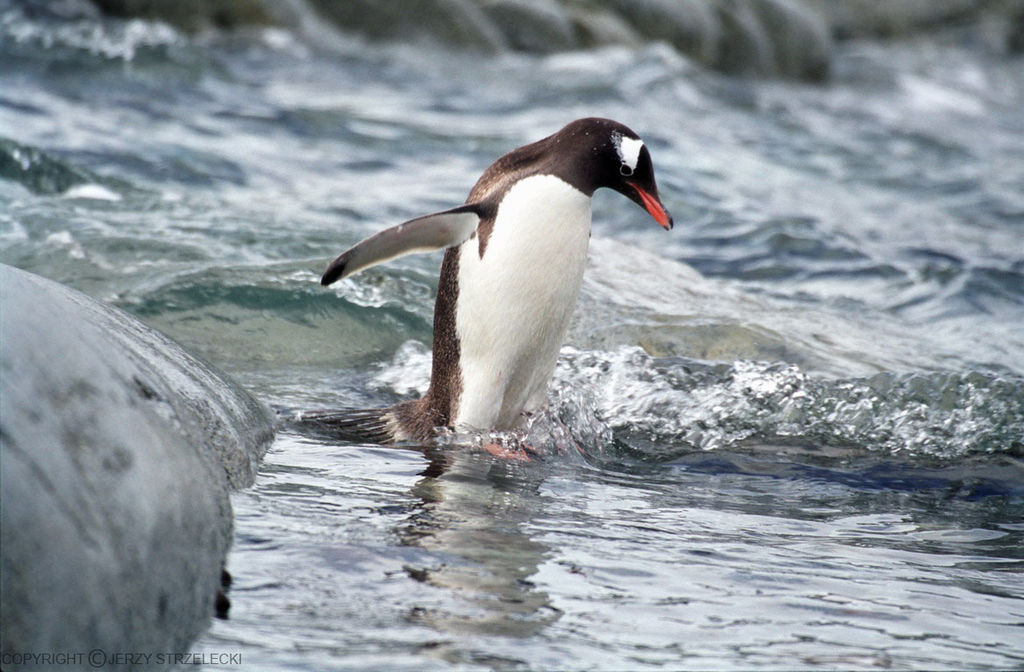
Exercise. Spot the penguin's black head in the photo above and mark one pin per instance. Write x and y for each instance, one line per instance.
(605, 153)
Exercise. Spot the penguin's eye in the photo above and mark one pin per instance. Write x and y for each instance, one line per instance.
(628, 150)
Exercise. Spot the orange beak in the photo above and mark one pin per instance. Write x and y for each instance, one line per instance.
(653, 206)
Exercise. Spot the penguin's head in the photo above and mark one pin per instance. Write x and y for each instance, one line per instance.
(636, 175)
(609, 154)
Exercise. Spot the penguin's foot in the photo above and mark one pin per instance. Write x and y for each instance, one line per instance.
(506, 453)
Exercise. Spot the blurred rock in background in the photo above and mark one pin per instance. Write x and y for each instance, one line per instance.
(775, 38)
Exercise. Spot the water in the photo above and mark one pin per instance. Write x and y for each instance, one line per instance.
(788, 434)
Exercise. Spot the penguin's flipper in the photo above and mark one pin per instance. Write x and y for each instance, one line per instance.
(423, 234)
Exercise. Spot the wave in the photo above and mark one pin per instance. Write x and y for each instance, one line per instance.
(271, 318)
(655, 409)
(76, 27)
(632, 296)
(624, 407)
(38, 171)
(667, 406)
(738, 371)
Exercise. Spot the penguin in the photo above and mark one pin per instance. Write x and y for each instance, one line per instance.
(512, 270)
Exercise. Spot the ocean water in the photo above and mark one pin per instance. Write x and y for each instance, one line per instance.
(787, 434)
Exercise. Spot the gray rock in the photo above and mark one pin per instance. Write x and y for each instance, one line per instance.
(1003, 26)
(689, 25)
(539, 26)
(117, 453)
(788, 38)
(600, 27)
(195, 15)
(801, 41)
(885, 18)
(745, 48)
(456, 23)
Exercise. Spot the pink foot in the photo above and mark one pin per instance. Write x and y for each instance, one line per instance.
(506, 453)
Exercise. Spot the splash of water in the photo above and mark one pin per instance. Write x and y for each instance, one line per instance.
(690, 404)
(113, 40)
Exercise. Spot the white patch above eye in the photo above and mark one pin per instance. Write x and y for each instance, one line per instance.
(628, 149)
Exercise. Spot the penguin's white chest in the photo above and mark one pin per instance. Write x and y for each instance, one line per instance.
(514, 303)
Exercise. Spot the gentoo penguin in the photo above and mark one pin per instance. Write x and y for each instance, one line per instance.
(509, 280)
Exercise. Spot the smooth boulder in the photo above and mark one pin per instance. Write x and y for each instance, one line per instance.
(118, 450)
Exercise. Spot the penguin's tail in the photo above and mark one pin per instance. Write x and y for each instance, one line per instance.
(373, 425)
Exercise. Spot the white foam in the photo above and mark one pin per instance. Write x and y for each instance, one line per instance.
(66, 240)
(409, 371)
(93, 191)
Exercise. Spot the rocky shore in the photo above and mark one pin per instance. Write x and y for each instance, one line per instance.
(775, 38)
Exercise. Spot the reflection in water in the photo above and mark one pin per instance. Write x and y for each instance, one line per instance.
(473, 514)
